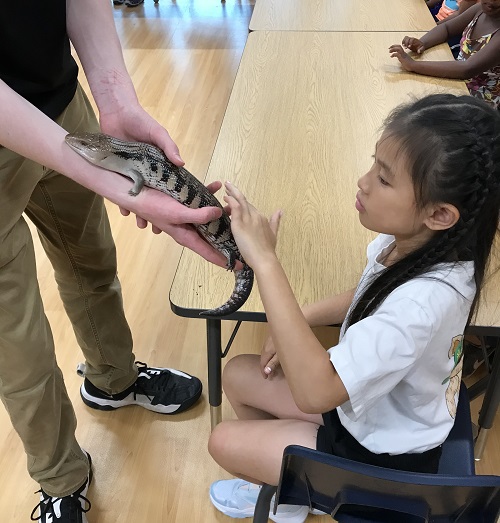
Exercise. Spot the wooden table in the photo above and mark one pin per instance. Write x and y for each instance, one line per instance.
(341, 15)
(299, 130)
(487, 323)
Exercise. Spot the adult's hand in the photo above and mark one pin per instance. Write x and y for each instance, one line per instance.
(167, 215)
(130, 122)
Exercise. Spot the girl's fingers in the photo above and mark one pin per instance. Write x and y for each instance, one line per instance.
(230, 188)
(274, 221)
(239, 206)
(232, 204)
(233, 191)
(396, 48)
(272, 365)
(236, 201)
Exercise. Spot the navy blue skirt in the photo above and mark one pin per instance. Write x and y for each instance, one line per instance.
(334, 438)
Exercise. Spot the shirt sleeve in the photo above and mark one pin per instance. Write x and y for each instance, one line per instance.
(377, 352)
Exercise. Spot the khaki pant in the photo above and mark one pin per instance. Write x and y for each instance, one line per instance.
(74, 230)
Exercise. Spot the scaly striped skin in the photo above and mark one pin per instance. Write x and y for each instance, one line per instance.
(147, 165)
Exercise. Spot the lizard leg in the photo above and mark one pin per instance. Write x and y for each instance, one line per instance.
(138, 182)
(231, 260)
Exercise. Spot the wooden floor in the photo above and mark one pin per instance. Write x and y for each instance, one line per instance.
(183, 57)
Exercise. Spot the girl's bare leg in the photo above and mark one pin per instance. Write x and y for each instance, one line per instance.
(254, 397)
(252, 449)
(269, 420)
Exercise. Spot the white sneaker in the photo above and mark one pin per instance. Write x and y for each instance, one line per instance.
(237, 499)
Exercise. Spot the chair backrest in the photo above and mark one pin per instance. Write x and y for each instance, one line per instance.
(459, 442)
(358, 493)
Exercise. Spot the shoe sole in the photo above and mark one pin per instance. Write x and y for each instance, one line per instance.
(249, 513)
(104, 404)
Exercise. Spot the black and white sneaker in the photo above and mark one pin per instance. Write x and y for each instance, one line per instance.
(68, 509)
(166, 391)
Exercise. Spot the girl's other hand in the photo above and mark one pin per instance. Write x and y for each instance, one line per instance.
(269, 361)
(255, 235)
(413, 44)
(405, 60)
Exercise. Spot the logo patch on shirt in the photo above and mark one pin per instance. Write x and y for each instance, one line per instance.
(456, 352)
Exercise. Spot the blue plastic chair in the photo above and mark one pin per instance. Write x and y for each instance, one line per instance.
(354, 492)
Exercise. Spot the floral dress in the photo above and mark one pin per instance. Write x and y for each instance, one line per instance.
(485, 85)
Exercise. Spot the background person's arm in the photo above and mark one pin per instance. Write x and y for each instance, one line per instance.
(439, 34)
(483, 60)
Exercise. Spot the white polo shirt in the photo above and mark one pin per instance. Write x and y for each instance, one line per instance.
(401, 365)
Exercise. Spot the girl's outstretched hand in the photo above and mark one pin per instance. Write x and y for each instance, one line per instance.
(398, 52)
(255, 235)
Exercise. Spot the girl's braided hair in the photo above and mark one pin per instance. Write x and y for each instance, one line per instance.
(452, 144)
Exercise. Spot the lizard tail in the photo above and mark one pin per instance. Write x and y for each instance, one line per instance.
(242, 288)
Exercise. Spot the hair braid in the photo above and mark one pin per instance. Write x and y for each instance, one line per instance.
(465, 175)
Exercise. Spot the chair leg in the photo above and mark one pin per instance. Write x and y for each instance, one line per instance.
(263, 505)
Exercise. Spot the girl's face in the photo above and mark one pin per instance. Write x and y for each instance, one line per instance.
(491, 8)
(386, 199)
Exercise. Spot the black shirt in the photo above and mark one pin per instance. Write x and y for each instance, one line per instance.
(35, 56)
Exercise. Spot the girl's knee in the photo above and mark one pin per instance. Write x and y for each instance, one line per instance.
(218, 443)
(237, 368)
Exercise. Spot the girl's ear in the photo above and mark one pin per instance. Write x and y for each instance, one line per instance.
(442, 216)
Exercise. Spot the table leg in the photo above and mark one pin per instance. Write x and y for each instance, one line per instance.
(214, 356)
(489, 406)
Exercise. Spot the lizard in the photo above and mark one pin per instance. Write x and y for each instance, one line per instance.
(148, 166)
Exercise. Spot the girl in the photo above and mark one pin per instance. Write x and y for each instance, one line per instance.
(385, 395)
(450, 9)
(478, 61)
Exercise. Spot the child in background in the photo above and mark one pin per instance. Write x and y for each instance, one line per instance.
(479, 59)
(434, 6)
(382, 395)
(453, 8)
(449, 9)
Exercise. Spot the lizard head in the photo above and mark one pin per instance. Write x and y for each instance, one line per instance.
(94, 147)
